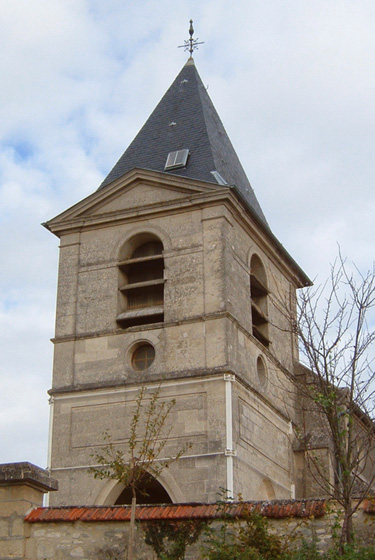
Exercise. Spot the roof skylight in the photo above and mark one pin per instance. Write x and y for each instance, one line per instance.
(219, 178)
(177, 159)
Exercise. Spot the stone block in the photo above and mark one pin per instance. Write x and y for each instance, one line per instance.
(4, 526)
(12, 548)
(26, 493)
(17, 528)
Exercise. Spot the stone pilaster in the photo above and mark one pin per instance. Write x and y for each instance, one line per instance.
(22, 486)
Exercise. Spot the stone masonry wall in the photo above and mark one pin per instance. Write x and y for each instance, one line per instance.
(90, 540)
(31, 532)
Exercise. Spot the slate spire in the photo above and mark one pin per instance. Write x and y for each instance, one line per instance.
(185, 119)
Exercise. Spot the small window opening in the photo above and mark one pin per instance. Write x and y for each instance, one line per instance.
(259, 301)
(143, 356)
(219, 178)
(176, 159)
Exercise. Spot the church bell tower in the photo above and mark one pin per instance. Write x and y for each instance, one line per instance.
(169, 273)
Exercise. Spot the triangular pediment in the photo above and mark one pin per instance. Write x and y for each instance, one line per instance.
(137, 195)
(136, 191)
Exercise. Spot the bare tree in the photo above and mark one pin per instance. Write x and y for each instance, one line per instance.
(149, 435)
(335, 325)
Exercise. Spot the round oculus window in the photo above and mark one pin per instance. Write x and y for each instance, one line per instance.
(142, 357)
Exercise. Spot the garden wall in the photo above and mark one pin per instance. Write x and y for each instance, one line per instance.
(31, 532)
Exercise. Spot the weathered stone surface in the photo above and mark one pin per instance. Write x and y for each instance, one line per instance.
(96, 539)
(22, 486)
(208, 242)
(27, 474)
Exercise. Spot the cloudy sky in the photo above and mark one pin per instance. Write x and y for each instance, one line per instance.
(293, 82)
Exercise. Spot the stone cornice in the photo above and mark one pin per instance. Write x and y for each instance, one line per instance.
(199, 195)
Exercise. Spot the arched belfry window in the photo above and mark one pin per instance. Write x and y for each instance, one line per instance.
(141, 282)
(259, 300)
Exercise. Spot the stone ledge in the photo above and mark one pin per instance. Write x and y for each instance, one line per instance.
(15, 474)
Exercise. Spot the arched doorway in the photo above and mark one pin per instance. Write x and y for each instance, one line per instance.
(150, 491)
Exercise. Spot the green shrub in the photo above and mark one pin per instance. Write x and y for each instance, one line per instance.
(255, 534)
(309, 551)
(351, 553)
(223, 545)
(250, 541)
(306, 551)
(169, 539)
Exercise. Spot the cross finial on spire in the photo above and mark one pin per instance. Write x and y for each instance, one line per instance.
(191, 44)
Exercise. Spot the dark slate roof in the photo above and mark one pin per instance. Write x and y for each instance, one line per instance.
(196, 127)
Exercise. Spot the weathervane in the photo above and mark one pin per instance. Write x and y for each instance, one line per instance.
(191, 44)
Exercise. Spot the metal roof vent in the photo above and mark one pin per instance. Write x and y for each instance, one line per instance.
(177, 159)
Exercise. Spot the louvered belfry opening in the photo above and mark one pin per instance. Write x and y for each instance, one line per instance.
(259, 300)
(141, 284)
